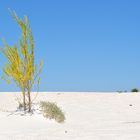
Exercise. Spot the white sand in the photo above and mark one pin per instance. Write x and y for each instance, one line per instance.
(89, 116)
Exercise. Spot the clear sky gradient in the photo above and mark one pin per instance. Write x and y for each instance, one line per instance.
(86, 45)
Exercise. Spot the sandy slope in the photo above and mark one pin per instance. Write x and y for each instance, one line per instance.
(89, 116)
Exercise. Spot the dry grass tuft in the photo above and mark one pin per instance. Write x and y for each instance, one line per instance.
(52, 111)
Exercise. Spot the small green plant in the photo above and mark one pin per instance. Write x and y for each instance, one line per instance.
(134, 90)
(52, 111)
(120, 91)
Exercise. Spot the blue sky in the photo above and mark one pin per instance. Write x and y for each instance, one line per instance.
(86, 45)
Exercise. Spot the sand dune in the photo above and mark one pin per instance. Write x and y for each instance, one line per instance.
(89, 116)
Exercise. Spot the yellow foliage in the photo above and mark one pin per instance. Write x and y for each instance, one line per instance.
(20, 66)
